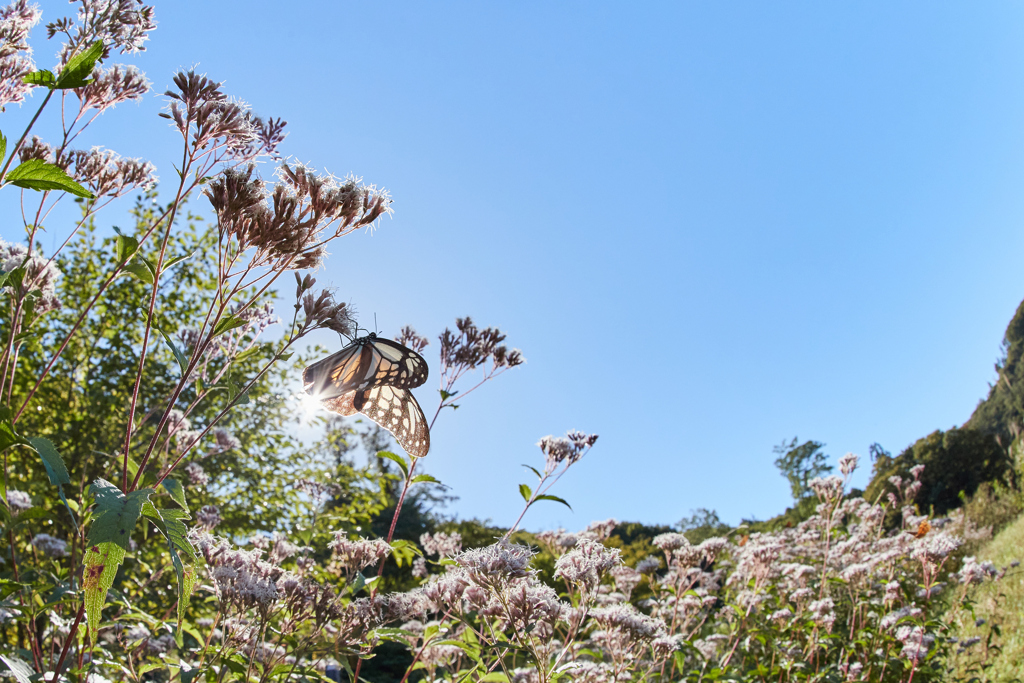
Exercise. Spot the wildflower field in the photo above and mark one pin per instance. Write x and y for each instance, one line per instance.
(164, 521)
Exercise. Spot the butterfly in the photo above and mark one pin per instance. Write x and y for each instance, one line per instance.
(372, 376)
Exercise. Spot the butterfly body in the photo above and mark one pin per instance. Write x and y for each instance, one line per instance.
(372, 376)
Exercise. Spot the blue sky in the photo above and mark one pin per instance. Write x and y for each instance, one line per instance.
(708, 226)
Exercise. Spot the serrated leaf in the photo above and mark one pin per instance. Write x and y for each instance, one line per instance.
(397, 459)
(141, 272)
(177, 491)
(76, 72)
(55, 468)
(425, 477)
(525, 492)
(21, 669)
(115, 518)
(178, 355)
(42, 77)
(36, 174)
(228, 323)
(556, 499)
(171, 524)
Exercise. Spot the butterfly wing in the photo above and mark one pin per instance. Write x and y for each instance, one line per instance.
(342, 405)
(396, 410)
(366, 362)
(339, 373)
(397, 365)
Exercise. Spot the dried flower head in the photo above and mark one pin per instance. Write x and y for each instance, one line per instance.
(407, 336)
(197, 476)
(18, 501)
(113, 86)
(50, 546)
(497, 564)
(441, 543)
(586, 563)
(208, 517)
(357, 554)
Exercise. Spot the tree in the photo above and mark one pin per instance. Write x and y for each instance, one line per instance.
(800, 464)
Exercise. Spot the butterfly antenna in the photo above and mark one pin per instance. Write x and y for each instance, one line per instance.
(375, 323)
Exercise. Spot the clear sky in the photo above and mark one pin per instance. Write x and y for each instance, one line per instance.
(709, 226)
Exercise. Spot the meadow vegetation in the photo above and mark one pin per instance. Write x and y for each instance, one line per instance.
(161, 520)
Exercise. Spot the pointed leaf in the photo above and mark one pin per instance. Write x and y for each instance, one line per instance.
(175, 261)
(114, 520)
(228, 323)
(36, 174)
(238, 397)
(42, 77)
(395, 458)
(76, 72)
(178, 355)
(556, 499)
(8, 437)
(534, 470)
(55, 468)
(177, 492)
(140, 271)
(126, 247)
(425, 477)
(525, 492)
(171, 524)
(21, 669)
(3, 146)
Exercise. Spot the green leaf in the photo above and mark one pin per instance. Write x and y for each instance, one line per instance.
(8, 437)
(493, 677)
(178, 355)
(556, 499)
(534, 470)
(425, 477)
(177, 492)
(402, 551)
(445, 395)
(140, 271)
(21, 669)
(525, 492)
(183, 556)
(42, 77)
(113, 522)
(3, 146)
(76, 72)
(396, 635)
(126, 247)
(228, 323)
(396, 458)
(55, 468)
(175, 261)
(238, 397)
(36, 174)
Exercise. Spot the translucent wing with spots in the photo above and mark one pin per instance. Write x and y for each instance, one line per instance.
(397, 411)
(367, 362)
